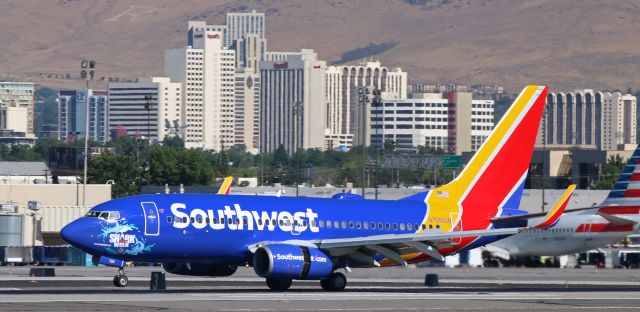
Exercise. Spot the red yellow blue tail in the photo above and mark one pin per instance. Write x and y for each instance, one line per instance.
(495, 175)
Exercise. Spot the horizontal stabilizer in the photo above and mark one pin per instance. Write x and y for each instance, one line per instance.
(617, 219)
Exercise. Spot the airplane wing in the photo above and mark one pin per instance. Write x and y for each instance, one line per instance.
(393, 246)
(564, 200)
(225, 188)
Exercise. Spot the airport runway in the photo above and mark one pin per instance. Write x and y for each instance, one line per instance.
(386, 289)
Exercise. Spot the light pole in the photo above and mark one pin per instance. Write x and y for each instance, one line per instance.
(147, 106)
(87, 71)
(298, 109)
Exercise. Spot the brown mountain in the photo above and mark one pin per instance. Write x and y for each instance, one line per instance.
(567, 44)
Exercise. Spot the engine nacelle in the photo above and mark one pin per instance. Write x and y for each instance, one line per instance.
(199, 268)
(291, 261)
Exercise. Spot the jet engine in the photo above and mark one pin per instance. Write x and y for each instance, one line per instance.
(291, 261)
(199, 268)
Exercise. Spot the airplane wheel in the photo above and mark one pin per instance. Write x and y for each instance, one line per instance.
(278, 284)
(336, 282)
(120, 281)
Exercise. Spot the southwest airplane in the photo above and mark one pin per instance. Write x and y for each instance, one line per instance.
(286, 238)
(585, 228)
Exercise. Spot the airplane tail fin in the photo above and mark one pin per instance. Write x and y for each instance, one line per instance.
(493, 179)
(624, 197)
(225, 188)
(554, 214)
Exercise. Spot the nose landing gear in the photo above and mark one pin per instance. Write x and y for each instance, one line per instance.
(121, 279)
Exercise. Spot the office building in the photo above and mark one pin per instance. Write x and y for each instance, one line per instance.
(132, 113)
(17, 108)
(342, 98)
(292, 102)
(206, 71)
(431, 119)
(590, 119)
(72, 115)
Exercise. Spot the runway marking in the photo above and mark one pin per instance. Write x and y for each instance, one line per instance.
(354, 280)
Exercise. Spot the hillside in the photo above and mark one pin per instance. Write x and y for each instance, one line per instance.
(565, 44)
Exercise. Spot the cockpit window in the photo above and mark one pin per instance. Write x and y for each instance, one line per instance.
(105, 215)
(92, 214)
(114, 215)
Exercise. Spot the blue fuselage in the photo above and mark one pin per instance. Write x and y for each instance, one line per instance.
(197, 227)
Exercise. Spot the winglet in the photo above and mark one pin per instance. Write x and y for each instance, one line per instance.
(225, 188)
(557, 211)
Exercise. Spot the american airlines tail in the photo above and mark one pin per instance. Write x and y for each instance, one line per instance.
(494, 178)
(624, 198)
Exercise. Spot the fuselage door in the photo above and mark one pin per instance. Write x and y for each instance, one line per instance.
(151, 219)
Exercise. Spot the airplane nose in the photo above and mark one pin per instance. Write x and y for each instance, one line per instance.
(72, 233)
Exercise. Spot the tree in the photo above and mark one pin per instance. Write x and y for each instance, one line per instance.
(612, 169)
(122, 170)
(174, 142)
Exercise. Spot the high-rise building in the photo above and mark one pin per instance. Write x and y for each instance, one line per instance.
(427, 119)
(247, 109)
(17, 107)
(72, 114)
(151, 107)
(590, 119)
(482, 122)
(292, 102)
(342, 98)
(206, 71)
(240, 25)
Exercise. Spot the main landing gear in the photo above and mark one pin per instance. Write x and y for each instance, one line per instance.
(121, 279)
(278, 283)
(335, 282)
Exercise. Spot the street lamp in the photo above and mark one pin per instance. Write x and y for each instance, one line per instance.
(298, 109)
(87, 71)
(147, 106)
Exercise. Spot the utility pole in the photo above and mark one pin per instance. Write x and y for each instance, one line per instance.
(147, 106)
(87, 72)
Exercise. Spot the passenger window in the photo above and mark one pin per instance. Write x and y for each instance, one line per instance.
(430, 226)
(288, 222)
(373, 225)
(281, 222)
(168, 219)
(329, 224)
(358, 225)
(415, 226)
(437, 226)
(409, 226)
(215, 220)
(259, 221)
(380, 225)
(424, 227)
(395, 226)
(193, 220)
(401, 226)
(388, 226)
(351, 224)
(365, 225)
(336, 225)
(321, 223)
(344, 224)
